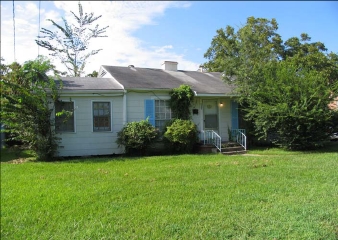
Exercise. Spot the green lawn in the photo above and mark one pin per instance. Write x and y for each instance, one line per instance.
(266, 194)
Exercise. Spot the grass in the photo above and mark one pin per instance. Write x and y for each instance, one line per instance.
(266, 194)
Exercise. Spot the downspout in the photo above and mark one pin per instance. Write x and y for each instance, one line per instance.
(124, 119)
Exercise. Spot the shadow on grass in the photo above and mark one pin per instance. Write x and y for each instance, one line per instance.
(12, 154)
(94, 159)
(330, 147)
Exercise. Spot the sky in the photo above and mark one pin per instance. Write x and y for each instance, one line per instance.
(145, 34)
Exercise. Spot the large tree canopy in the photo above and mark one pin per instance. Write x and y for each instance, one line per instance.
(242, 53)
(27, 104)
(284, 87)
(70, 45)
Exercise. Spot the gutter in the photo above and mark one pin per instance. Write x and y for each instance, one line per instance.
(215, 95)
(124, 107)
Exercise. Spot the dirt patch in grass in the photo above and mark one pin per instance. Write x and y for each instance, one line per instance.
(18, 161)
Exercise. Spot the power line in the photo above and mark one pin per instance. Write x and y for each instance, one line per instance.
(14, 29)
(39, 30)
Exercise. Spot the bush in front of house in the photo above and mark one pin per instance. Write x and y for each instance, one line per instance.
(136, 137)
(182, 135)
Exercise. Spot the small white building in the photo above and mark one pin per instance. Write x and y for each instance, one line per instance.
(103, 105)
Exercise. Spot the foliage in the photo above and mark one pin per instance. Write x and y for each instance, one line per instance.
(312, 56)
(242, 54)
(93, 74)
(27, 102)
(136, 137)
(182, 135)
(180, 101)
(256, 60)
(71, 44)
(292, 103)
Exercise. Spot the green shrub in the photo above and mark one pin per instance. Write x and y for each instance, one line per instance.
(182, 135)
(136, 137)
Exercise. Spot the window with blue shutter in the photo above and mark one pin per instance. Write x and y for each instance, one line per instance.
(149, 110)
(234, 115)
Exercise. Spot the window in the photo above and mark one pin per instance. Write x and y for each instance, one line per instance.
(162, 113)
(101, 116)
(65, 121)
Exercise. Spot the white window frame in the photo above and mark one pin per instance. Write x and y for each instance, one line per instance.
(74, 117)
(111, 115)
(162, 120)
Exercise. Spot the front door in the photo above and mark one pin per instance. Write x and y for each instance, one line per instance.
(210, 115)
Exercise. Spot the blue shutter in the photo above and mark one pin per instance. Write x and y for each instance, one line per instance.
(149, 110)
(234, 115)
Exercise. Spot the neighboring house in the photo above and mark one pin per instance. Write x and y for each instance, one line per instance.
(103, 105)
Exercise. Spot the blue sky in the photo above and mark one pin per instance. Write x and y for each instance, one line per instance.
(147, 33)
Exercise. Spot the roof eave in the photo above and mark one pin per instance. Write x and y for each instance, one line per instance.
(215, 95)
(92, 92)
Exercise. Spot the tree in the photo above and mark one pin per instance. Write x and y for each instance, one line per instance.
(71, 44)
(27, 104)
(313, 56)
(292, 105)
(93, 74)
(242, 54)
(267, 73)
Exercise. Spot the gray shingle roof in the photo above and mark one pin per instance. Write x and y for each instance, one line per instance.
(149, 78)
(88, 83)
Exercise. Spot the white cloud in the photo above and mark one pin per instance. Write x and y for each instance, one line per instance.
(26, 30)
(119, 48)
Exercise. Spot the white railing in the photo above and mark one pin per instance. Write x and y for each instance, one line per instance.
(238, 135)
(211, 137)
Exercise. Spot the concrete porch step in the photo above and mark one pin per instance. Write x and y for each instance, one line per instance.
(207, 148)
(232, 149)
(234, 152)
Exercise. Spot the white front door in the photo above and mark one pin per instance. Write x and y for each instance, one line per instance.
(210, 115)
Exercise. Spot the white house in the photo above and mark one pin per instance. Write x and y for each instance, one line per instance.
(124, 94)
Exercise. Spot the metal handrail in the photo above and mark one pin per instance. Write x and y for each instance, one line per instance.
(239, 136)
(211, 137)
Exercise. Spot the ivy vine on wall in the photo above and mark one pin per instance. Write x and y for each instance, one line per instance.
(180, 101)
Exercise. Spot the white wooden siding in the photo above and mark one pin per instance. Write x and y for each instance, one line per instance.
(135, 104)
(197, 118)
(86, 142)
